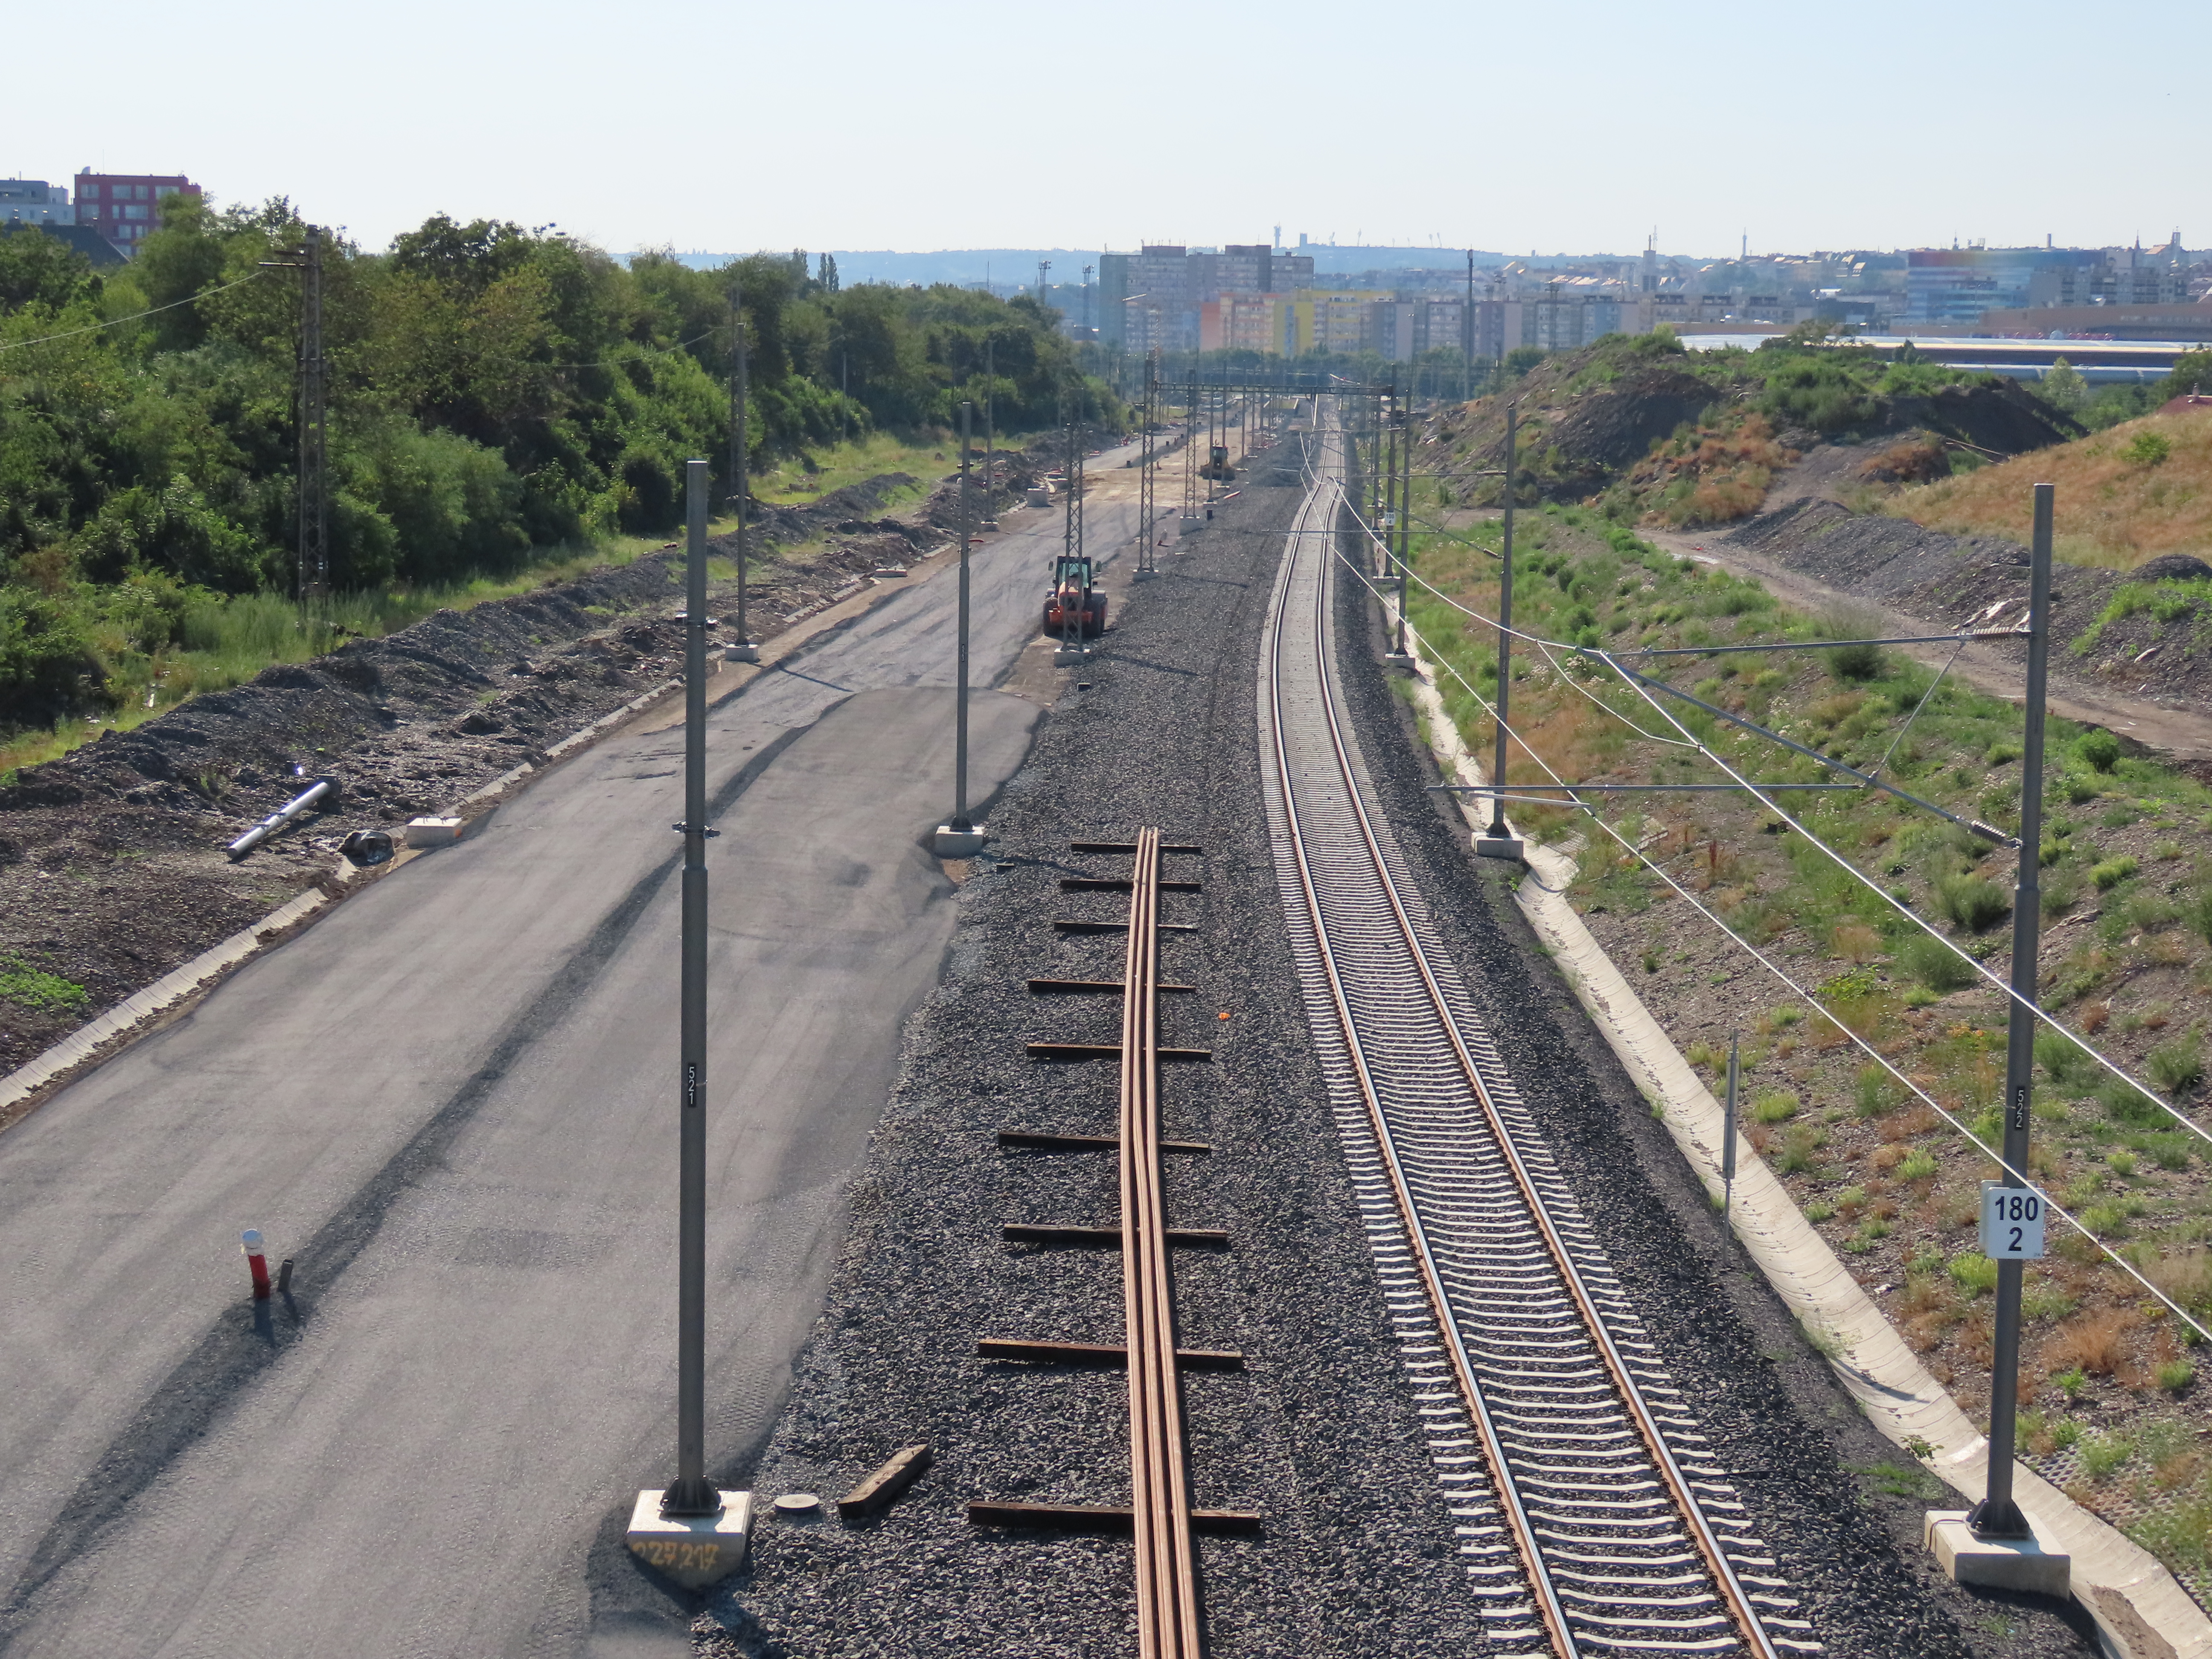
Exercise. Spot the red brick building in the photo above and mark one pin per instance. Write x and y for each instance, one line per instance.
(124, 207)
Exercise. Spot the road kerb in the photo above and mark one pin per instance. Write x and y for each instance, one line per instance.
(153, 1006)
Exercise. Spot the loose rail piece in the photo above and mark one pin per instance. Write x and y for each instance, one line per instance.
(1167, 1559)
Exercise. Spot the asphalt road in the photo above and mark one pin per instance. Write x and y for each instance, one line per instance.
(453, 1103)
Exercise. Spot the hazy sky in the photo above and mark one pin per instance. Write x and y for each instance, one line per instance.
(869, 124)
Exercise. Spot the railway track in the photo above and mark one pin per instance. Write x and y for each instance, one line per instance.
(1593, 1515)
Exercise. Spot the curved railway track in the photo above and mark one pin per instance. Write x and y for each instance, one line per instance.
(1592, 1514)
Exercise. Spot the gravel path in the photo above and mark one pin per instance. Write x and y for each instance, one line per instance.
(1319, 1432)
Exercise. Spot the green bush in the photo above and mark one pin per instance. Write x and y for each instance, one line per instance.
(1934, 964)
(1775, 1106)
(2103, 1453)
(172, 529)
(1870, 1094)
(1856, 662)
(2100, 749)
(2147, 913)
(2113, 872)
(1971, 902)
(1919, 1164)
(2176, 1065)
(2125, 1103)
(2059, 893)
(35, 988)
(2062, 1058)
(46, 652)
(2147, 449)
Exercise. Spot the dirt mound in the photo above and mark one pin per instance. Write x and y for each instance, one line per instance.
(112, 871)
(1885, 559)
(787, 525)
(1615, 426)
(2002, 416)
(2171, 568)
(1917, 459)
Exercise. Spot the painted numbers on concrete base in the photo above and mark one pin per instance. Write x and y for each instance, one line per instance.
(695, 1551)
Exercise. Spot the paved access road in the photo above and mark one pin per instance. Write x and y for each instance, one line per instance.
(453, 1103)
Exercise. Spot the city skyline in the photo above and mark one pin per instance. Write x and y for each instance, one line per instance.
(1477, 142)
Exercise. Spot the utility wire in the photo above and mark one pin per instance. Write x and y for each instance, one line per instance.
(1547, 647)
(1803, 995)
(2035, 1010)
(117, 322)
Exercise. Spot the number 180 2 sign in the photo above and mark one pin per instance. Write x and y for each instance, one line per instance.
(2012, 1222)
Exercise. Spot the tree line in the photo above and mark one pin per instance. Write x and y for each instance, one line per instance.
(492, 389)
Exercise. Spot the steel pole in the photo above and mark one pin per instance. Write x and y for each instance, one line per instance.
(1405, 522)
(692, 1494)
(1996, 1515)
(738, 499)
(1727, 1136)
(960, 700)
(1506, 622)
(1386, 460)
(1467, 336)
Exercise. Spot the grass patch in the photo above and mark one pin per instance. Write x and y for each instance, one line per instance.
(2141, 488)
(1902, 1480)
(34, 988)
(815, 472)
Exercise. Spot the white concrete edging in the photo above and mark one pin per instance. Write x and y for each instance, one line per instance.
(147, 1009)
(2142, 1613)
(146, 1006)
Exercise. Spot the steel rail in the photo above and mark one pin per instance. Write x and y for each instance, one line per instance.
(1160, 1507)
(1742, 1614)
(1550, 1612)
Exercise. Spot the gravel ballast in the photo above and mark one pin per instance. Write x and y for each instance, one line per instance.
(1320, 1431)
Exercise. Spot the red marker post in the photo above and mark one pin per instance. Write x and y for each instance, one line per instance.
(257, 1263)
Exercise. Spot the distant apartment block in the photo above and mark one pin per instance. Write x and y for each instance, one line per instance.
(122, 206)
(2107, 283)
(1179, 284)
(34, 202)
(1241, 322)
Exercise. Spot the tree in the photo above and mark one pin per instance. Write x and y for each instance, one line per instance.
(36, 269)
(2192, 371)
(2064, 388)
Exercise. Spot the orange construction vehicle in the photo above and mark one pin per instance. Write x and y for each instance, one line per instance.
(1072, 608)
(1219, 466)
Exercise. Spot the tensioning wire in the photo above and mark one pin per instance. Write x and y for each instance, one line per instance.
(1874, 887)
(1805, 996)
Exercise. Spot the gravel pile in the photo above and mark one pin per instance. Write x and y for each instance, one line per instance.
(1950, 581)
(1318, 1433)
